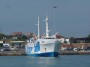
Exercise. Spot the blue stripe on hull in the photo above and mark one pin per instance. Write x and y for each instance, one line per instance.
(49, 54)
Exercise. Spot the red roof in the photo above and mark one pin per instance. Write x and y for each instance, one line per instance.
(59, 36)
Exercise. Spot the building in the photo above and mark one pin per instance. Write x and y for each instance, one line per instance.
(80, 40)
(29, 35)
(16, 34)
(1, 43)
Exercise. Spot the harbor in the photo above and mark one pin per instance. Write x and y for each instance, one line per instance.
(21, 52)
(44, 33)
(68, 47)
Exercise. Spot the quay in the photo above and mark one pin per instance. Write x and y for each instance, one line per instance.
(13, 53)
(75, 53)
(22, 53)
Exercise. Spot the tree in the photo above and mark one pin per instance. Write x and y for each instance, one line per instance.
(24, 37)
(2, 35)
(72, 40)
(89, 36)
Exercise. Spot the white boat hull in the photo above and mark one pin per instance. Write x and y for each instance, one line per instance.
(43, 48)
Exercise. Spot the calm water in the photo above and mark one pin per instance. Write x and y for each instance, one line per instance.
(61, 61)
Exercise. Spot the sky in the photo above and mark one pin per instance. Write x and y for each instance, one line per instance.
(71, 18)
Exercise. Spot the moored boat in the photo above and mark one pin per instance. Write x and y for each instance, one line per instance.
(47, 46)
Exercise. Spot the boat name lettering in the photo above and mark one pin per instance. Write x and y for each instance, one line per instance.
(30, 49)
(37, 47)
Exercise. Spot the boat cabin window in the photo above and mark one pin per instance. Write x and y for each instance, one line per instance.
(32, 40)
(49, 38)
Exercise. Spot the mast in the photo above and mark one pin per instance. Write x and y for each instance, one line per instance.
(47, 31)
(38, 28)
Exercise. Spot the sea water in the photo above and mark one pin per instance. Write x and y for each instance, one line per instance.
(61, 61)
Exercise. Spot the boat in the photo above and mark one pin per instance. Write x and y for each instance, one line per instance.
(47, 46)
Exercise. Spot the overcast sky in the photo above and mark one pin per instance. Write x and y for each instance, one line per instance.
(72, 17)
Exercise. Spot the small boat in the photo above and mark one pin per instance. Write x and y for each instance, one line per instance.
(47, 46)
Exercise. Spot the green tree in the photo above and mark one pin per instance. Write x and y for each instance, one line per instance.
(89, 36)
(71, 40)
(2, 36)
(24, 37)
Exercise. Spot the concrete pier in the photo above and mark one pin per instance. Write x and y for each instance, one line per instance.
(22, 53)
(13, 53)
(75, 53)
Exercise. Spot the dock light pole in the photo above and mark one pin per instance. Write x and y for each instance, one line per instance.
(54, 17)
